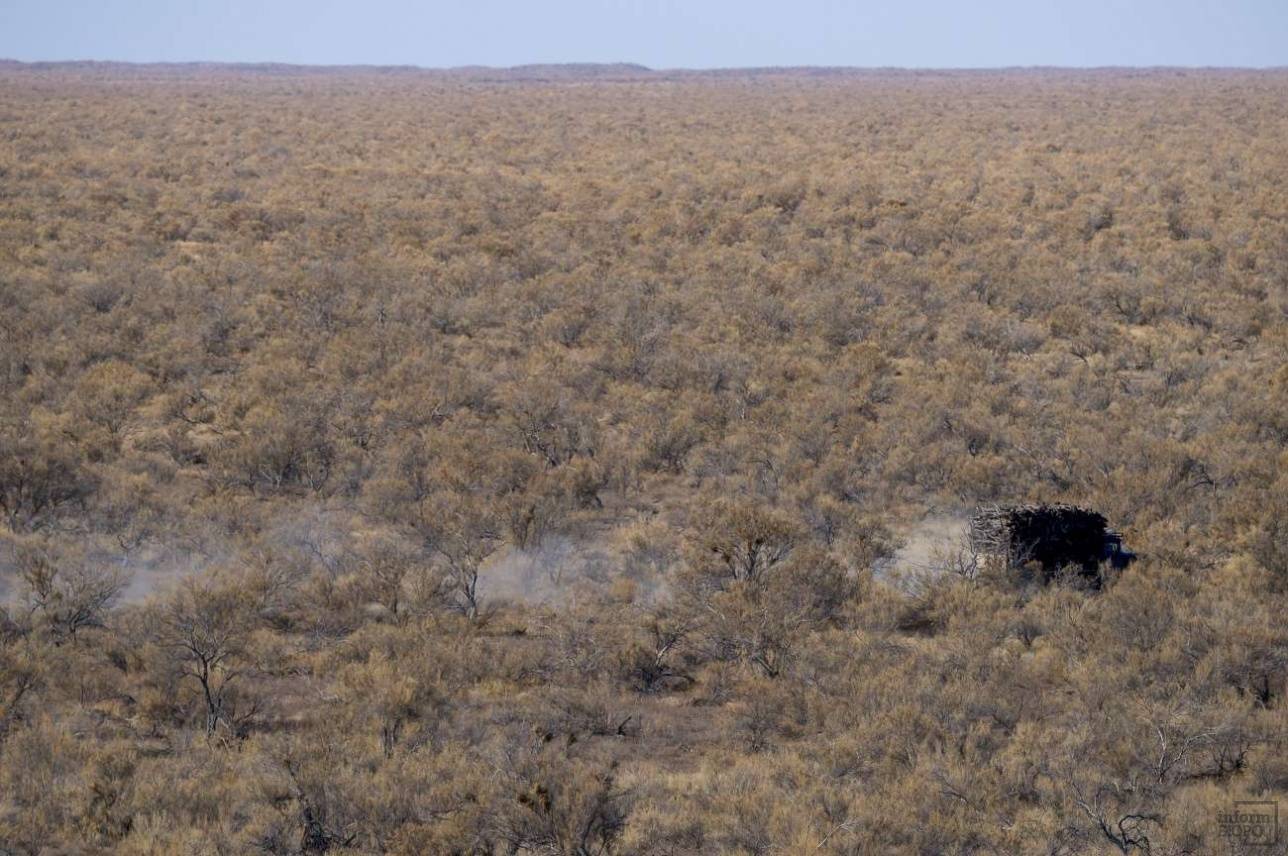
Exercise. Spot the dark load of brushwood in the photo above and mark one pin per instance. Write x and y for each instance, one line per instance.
(1053, 537)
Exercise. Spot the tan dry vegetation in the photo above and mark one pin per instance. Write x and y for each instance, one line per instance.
(674, 357)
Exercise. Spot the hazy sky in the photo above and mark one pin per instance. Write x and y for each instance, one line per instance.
(658, 33)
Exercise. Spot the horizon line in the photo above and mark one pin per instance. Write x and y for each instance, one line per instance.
(623, 65)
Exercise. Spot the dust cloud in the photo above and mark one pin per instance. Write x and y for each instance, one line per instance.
(927, 545)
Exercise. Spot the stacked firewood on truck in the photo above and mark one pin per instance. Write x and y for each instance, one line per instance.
(1048, 538)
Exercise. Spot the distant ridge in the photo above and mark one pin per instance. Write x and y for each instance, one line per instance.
(557, 71)
(576, 72)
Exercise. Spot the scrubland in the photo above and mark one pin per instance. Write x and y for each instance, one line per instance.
(408, 462)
